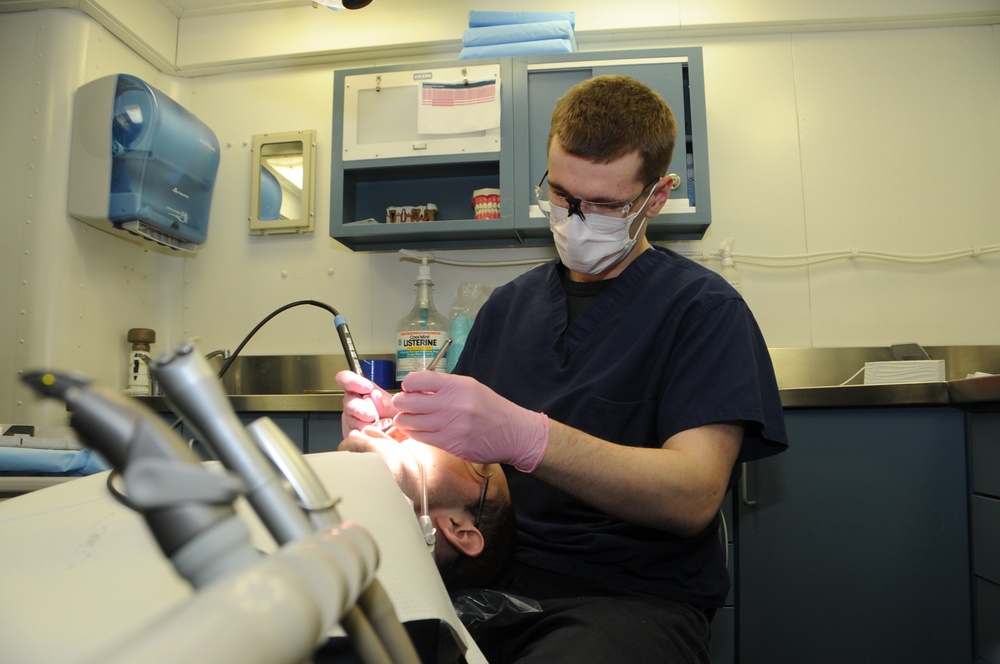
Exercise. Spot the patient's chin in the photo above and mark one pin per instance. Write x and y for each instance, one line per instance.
(356, 444)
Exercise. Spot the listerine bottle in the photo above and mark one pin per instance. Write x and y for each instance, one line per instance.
(421, 332)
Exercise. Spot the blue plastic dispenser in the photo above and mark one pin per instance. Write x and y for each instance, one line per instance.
(141, 165)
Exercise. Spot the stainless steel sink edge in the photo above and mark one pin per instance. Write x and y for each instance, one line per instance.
(806, 377)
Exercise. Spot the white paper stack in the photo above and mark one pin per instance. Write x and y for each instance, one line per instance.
(904, 371)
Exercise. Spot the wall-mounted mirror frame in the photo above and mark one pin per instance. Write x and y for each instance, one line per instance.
(283, 172)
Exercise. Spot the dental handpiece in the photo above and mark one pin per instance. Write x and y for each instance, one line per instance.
(348, 343)
(194, 391)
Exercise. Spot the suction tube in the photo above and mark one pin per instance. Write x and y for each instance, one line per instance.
(350, 352)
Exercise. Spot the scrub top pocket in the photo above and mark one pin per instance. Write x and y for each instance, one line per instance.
(620, 421)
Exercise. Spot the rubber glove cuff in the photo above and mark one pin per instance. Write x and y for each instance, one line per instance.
(535, 446)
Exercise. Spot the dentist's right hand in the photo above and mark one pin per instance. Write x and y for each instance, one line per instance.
(460, 415)
(364, 402)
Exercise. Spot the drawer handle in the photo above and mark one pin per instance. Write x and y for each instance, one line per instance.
(744, 496)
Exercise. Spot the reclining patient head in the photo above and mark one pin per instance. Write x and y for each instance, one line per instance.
(474, 543)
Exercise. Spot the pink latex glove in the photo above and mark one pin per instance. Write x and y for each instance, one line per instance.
(364, 402)
(461, 415)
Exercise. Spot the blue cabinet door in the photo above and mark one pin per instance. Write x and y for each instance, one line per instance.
(857, 547)
(323, 432)
(677, 75)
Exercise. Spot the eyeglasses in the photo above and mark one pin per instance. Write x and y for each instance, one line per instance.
(482, 496)
(581, 208)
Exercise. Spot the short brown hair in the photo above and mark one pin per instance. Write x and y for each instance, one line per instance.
(607, 117)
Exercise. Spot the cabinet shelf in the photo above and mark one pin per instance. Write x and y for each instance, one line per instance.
(369, 187)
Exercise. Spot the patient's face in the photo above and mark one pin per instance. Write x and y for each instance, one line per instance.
(451, 482)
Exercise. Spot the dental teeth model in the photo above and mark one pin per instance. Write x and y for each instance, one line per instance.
(486, 203)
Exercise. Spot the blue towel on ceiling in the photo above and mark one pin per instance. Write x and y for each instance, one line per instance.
(69, 463)
(518, 48)
(478, 19)
(519, 32)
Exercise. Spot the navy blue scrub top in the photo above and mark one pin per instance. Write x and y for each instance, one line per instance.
(668, 346)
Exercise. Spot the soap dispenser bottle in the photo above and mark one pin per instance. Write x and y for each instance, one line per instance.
(728, 270)
(421, 332)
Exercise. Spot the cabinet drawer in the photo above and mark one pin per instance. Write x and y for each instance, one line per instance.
(988, 621)
(723, 636)
(986, 538)
(984, 432)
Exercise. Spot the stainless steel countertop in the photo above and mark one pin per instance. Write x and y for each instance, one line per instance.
(975, 390)
(956, 393)
(807, 378)
(910, 394)
(812, 377)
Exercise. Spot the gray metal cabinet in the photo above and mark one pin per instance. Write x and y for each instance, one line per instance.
(415, 169)
(381, 159)
(677, 75)
(856, 549)
(293, 425)
(310, 431)
(323, 432)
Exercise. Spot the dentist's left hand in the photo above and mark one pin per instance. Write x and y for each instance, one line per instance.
(461, 415)
(364, 402)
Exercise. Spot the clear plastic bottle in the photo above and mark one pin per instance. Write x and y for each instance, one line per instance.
(421, 332)
(468, 300)
(728, 270)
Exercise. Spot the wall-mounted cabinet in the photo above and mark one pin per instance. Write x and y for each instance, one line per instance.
(395, 146)
(677, 75)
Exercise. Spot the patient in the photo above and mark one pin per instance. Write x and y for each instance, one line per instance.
(474, 542)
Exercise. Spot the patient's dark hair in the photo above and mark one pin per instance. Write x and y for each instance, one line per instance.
(498, 526)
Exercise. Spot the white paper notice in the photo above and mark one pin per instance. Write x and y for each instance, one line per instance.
(458, 108)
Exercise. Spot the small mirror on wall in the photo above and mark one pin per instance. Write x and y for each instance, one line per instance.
(281, 183)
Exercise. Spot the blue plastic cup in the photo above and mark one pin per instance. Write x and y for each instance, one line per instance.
(380, 372)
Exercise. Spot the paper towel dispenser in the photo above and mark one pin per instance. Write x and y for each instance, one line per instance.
(141, 165)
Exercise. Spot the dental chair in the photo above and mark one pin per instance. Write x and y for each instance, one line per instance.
(274, 557)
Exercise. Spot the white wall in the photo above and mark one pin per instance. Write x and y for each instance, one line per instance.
(872, 139)
(70, 292)
(877, 140)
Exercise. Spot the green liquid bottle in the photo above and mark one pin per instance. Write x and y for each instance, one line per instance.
(421, 332)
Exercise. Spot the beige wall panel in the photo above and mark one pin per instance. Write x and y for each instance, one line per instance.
(900, 137)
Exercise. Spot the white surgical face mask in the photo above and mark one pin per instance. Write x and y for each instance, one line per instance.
(593, 246)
